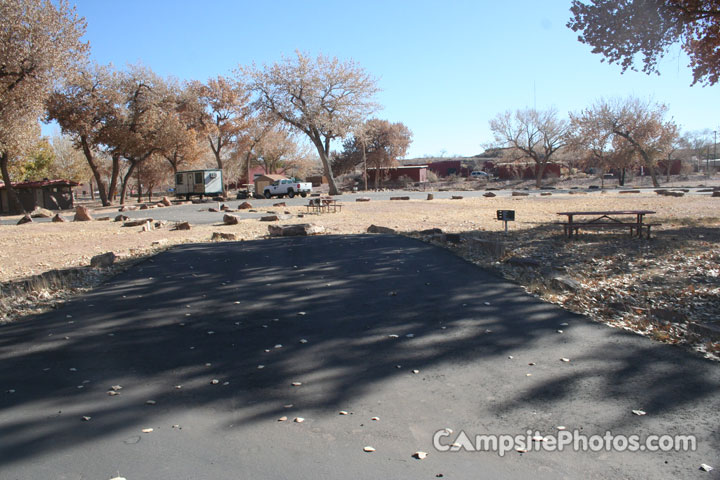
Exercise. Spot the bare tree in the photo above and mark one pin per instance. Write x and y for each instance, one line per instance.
(641, 123)
(532, 134)
(378, 143)
(322, 98)
(40, 46)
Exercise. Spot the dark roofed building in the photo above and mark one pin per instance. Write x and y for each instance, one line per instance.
(50, 194)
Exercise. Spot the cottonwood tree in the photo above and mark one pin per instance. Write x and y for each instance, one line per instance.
(182, 131)
(69, 163)
(530, 134)
(378, 144)
(137, 131)
(87, 108)
(623, 30)
(322, 98)
(224, 115)
(39, 45)
(639, 122)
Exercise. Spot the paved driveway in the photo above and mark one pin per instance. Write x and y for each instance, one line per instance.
(213, 337)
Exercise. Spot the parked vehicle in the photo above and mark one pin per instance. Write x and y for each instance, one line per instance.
(289, 187)
(199, 182)
(477, 174)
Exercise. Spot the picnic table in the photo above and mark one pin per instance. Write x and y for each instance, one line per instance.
(324, 204)
(608, 220)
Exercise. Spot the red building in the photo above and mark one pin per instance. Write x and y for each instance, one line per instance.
(416, 173)
(445, 168)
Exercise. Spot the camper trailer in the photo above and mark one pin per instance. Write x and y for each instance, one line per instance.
(199, 182)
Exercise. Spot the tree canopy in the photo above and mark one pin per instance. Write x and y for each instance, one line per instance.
(322, 98)
(40, 44)
(623, 30)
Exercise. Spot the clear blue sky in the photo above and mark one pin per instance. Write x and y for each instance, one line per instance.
(445, 68)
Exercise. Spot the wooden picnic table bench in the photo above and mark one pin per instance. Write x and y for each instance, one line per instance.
(324, 204)
(607, 220)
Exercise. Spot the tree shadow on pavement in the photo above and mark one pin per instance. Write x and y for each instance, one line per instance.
(230, 326)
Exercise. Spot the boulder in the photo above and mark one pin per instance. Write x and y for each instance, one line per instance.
(25, 219)
(453, 237)
(300, 229)
(489, 194)
(145, 206)
(216, 236)
(103, 261)
(493, 248)
(160, 205)
(58, 218)
(230, 219)
(213, 210)
(430, 196)
(545, 194)
(362, 199)
(127, 208)
(41, 213)
(244, 206)
(137, 223)
(716, 194)
(457, 197)
(82, 214)
(182, 226)
(102, 219)
(430, 231)
(121, 218)
(269, 218)
(399, 198)
(224, 207)
(520, 194)
(561, 282)
(377, 229)
(159, 223)
(166, 201)
(279, 204)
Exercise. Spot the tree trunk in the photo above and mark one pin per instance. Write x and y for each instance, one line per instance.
(13, 199)
(112, 190)
(150, 194)
(621, 180)
(126, 179)
(327, 169)
(539, 171)
(92, 190)
(139, 195)
(96, 172)
(364, 164)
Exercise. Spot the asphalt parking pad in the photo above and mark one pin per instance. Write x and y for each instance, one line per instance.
(203, 344)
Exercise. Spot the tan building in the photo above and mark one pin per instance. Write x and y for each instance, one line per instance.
(262, 181)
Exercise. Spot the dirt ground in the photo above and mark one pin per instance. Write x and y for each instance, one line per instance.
(621, 281)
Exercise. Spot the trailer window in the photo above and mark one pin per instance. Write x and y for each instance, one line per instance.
(179, 179)
(199, 177)
(213, 175)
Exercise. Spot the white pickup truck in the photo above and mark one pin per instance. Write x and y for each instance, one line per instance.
(290, 187)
